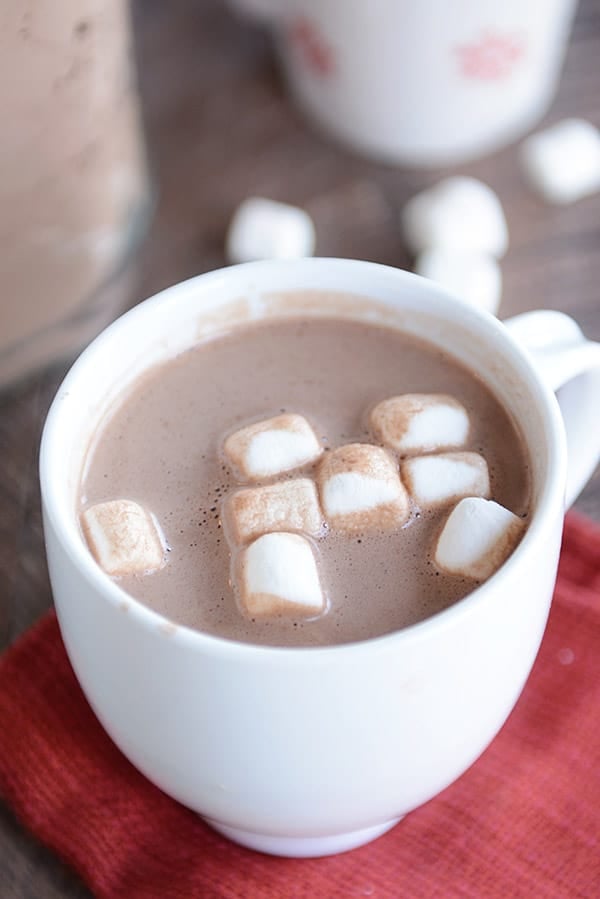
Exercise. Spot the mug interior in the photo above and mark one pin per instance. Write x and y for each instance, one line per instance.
(215, 303)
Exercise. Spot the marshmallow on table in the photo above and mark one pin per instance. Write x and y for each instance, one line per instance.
(290, 505)
(272, 447)
(265, 229)
(123, 537)
(477, 538)
(474, 277)
(436, 480)
(360, 489)
(562, 163)
(457, 213)
(420, 422)
(278, 575)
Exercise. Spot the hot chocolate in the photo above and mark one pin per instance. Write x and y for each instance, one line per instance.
(169, 448)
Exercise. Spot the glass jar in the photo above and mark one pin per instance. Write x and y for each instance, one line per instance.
(74, 191)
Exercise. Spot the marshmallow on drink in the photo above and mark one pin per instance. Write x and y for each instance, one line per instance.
(474, 277)
(562, 163)
(123, 537)
(360, 489)
(265, 229)
(458, 213)
(477, 538)
(420, 422)
(285, 506)
(272, 447)
(278, 576)
(436, 480)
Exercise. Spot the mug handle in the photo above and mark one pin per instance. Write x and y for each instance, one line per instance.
(570, 365)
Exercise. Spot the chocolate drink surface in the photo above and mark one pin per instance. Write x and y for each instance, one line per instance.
(163, 448)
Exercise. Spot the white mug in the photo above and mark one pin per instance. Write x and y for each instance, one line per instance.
(312, 751)
(426, 82)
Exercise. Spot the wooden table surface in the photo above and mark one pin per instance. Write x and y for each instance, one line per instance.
(219, 128)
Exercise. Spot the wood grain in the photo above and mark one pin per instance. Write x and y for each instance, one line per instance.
(219, 128)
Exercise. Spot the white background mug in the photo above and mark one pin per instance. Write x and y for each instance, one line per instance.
(310, 751)
(425, 82)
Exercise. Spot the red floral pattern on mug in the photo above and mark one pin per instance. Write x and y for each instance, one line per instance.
(492, 57)
(311, 46)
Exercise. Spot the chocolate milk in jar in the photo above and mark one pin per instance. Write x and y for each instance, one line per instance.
(74, 196)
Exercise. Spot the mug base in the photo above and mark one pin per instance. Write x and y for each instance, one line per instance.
(302, 847)
(432, 151)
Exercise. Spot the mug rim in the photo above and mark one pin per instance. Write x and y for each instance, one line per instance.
(540, 524)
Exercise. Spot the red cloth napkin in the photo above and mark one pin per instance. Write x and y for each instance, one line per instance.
(524, 821)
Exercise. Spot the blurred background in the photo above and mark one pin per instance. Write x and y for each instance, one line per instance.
(221, 127)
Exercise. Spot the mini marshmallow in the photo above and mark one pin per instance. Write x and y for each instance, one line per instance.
(265, 229)
(278, 575)
(457, 213)
(272, 447)
(477, 538)
(474, 277)
(360, 489)
(420, 422)
(123, 537)
(436, 480)
(562, 163)
(285, 506)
